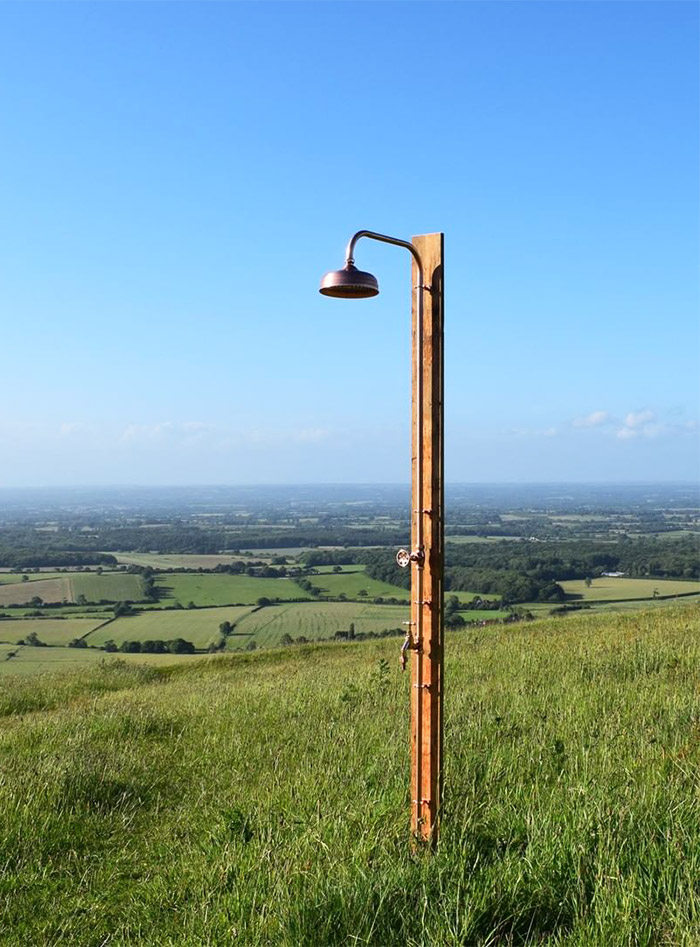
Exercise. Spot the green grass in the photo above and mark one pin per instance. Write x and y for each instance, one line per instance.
(630, 606)
(13, 578)
(200, 626)
(46, 667)
(72, 611)
(52, 631)
(352, 583)
(225, 589)
(262, 800)
(315, 620)
(110, 586)
(608, 589)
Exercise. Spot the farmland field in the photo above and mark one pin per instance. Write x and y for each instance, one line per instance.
(316, 620)
(608, 589)
(49, 590)
(173, 561)
(200, 626)
(223, 589)
(13, 578)
(111, 586)
(52, 631)
(634, 606)
(352, 583)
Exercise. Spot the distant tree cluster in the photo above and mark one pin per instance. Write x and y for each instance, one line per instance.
(530, 572)
(32, 557)
(155, 646)
(332, 557)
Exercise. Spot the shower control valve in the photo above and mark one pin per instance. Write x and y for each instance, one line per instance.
(405, 558)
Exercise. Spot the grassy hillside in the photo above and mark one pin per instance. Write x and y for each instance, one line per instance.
(262, 799)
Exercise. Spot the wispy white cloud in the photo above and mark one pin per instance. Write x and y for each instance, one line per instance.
(594, 419)
(641, 424)
(639, 419)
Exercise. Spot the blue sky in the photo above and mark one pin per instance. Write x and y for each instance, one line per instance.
(176, 177)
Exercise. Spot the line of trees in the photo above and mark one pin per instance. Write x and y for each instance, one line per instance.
(152, 646)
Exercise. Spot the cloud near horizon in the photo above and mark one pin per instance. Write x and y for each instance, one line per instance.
(594, 419)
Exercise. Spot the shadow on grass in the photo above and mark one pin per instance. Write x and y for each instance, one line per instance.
(409, 910)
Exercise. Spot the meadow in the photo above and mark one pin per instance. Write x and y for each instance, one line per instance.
(109, 586)
(262, 799)
(357, 583)
(222, 589)
(316, 620)
(13, 578)
(52, 631)
(200, 626)
(619, 588)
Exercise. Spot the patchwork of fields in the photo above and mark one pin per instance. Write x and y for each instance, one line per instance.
(219, 597)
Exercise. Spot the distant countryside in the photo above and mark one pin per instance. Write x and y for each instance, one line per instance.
(206, 726)
(184, 572)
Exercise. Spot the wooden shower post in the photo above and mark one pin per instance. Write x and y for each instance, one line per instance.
(427, 502)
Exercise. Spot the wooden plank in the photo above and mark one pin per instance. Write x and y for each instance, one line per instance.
(427, 576)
